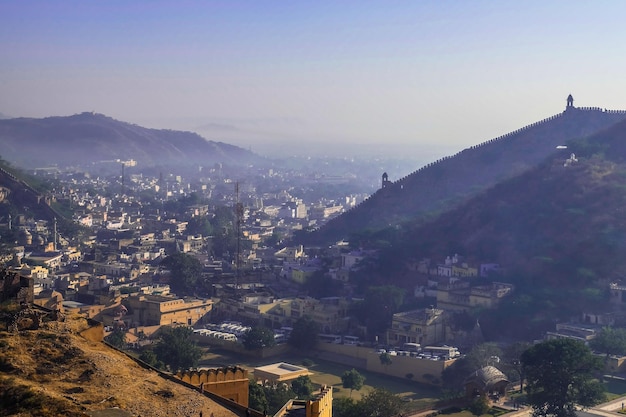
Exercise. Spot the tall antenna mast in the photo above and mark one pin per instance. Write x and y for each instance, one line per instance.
(122, 178)
(238, 220)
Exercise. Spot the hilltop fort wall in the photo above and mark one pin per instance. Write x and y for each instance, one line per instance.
(474, 168)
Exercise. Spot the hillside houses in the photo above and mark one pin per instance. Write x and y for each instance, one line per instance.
(457, 295)
(424, 327)
(331, 314)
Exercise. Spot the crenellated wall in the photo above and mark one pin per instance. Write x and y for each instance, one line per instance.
(460, 175)
(229, 382)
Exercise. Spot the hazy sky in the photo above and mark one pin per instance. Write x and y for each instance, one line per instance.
(435, 76)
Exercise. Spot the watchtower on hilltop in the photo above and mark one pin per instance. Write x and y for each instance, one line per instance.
(386, 181)
(570, 102)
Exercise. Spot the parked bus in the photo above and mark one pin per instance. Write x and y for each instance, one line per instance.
(412, 347)
(350, 340)
(329, 338)
(448, 352)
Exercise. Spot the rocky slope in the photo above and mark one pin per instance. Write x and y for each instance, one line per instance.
(53, 371)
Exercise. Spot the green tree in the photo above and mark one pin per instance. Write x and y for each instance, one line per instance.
(378, 307)
(149, 357)
(512, 355)
(484, 354)
(200, 225)
(256, 397)
(117, 338)
(479, 406)
(454, 376)
(176, 349)
(302, 387)
(379, 403)
(304, 334)
(352, 380)
(224, 231)
(345, 407)
(385, 359)
(610, 341)
(277, 396)
(258, 338)
(321, 285)
(560, 375)
(186, 273)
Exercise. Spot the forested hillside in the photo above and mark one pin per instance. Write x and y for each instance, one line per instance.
(559, 231)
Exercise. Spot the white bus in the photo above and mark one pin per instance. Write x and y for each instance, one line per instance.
(448, 352)
(412, 347)
(350, 340)
(329, 338)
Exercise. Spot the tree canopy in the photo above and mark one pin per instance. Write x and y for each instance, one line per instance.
(117, 338)
(258, 338)
(560, 375)
(256, 397)
(352, 380)
(379, 403)
(380, 303)
(610, 340)
(186, 273)
(304, 333)
(385, 359)
(302, 387)
(277, 396)
(176, 349)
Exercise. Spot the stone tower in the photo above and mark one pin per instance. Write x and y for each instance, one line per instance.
(570, 102)
(385, 180)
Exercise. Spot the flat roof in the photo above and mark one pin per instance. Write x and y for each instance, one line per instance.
(280, 371)
(281, 368)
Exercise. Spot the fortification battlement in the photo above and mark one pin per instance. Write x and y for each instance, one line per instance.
(207, 376)
(387, 184)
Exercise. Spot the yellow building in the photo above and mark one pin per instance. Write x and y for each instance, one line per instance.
(425, 327)
(460, 295)
(151, 310)
(301, 274)
(330, 313)
(231, 382)
(320, 406)
(290, 254)
(464, 271)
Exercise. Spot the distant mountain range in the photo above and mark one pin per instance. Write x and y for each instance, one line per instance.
(88, 138)
(443, 184)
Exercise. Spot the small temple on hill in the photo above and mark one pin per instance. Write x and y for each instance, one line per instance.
(570, 102)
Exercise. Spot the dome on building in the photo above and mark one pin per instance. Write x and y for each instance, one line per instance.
(485, 380)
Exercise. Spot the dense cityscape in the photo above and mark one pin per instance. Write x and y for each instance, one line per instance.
(312, 209)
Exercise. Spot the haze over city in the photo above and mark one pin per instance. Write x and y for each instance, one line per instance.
(402, 78)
